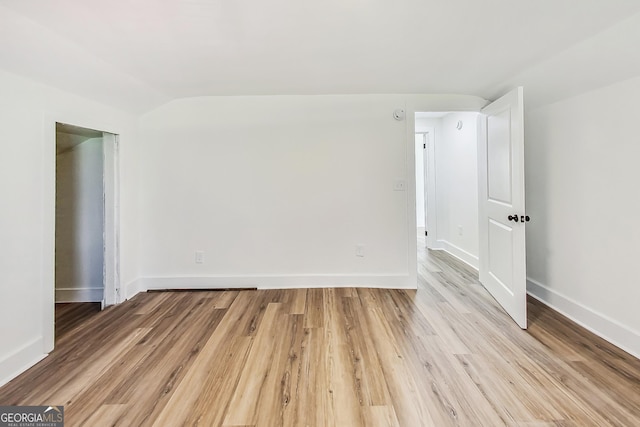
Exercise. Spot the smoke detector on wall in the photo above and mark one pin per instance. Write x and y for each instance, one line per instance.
(398, 114)
(459, 125)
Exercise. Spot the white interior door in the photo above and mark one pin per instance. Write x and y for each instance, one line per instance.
(502, 213)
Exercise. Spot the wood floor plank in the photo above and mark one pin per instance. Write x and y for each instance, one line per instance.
(314, 317)
(225, 299)
(311, 405)
(495, 389)
(106, 415)
(294, 389)
(299, 303)
(207, 374)
(220, 378)
(78, 381)
(380, 416)
(155, 301)
(371, 387)
(70, 315)
(250, 391)
(408, 404)
(166, 368)
(341, 381)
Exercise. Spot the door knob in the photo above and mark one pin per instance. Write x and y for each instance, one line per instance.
(513, 218)
(524, 218)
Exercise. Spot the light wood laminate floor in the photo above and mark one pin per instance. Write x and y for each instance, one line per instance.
(443, 355)
(68, 316)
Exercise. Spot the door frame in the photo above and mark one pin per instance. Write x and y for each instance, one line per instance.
(111, 204)
(429, 178)
(48, 162)
(413, 106)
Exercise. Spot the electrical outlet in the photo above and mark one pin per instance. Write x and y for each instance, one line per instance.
(360, 250)
(199, 257)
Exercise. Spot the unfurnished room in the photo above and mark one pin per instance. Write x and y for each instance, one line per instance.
(340, 213)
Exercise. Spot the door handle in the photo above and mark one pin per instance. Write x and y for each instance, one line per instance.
(523, 218)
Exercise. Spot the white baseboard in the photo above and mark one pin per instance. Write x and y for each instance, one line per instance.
(79, 294)
(133, 288)
(461, 254)
(21, 360)
(609, 329)
(279, 282)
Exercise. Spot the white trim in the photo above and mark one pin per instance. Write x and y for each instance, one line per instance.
(86, 294)
(410, 178)
(48, 211)
(21, 360)
(429, 178)
(609, 329)
(464, 256)
(431, 209)
(278, 282)
(111, 217)
(133, 288)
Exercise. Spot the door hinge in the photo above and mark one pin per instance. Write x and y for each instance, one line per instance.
(426, 233)
(424, 146)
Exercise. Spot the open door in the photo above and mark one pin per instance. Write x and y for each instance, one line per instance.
(501, 204)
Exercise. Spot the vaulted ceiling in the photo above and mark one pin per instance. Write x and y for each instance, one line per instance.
(139, 53)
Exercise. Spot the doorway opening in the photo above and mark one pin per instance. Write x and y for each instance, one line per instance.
(447, 183)
(479, 195)
(86, 224)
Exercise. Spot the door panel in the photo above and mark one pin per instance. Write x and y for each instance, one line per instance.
(501, 242)
(501, 187)
(499, 150)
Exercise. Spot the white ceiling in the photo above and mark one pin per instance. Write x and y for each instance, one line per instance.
(139, 53)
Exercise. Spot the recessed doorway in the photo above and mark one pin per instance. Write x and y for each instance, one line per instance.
(85, 223)
(447, 183)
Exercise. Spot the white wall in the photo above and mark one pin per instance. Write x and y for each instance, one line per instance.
(28, 112)
(428, 124)
(79, 223)
(457, 186)
(581, 178)
(278, 191)
(275, 186)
